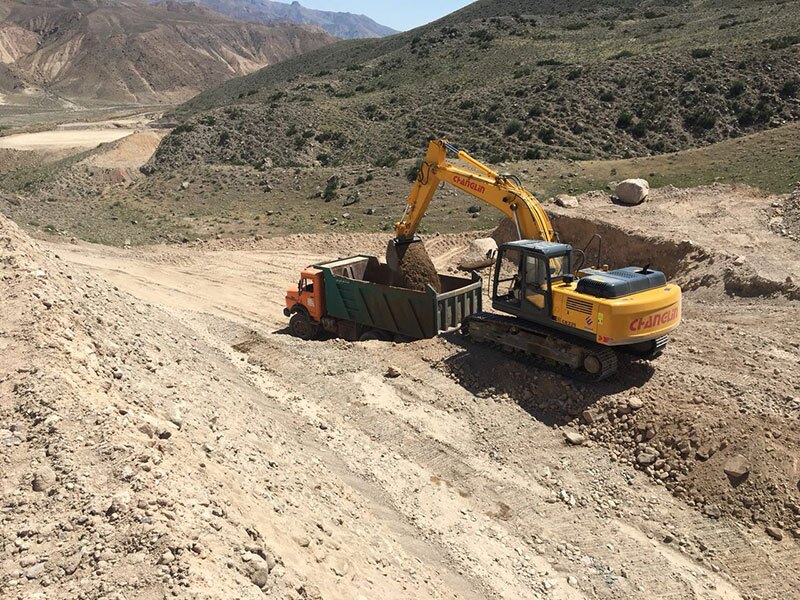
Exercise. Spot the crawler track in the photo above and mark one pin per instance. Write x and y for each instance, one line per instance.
(544, 347)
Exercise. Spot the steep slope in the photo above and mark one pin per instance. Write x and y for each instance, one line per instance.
(341, 24)
(619, 79)
(130, 52)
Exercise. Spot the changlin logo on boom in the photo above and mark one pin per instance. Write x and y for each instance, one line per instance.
(468, 183)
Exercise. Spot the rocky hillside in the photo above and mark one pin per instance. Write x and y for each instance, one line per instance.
(130, 52)
(509, 81)
(341, 24)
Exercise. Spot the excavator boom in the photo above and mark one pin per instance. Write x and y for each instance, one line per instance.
(503, 192)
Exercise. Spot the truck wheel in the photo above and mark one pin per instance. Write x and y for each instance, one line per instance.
(374, 334)
(301, 326)
(464, 329)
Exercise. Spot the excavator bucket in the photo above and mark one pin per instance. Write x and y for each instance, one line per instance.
(411, 266)
(396, 249)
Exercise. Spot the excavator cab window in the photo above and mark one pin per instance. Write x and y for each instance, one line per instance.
(537, 287)
(560, 266)
(507, 279)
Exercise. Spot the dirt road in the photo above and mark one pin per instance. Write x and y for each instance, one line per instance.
(461, 480)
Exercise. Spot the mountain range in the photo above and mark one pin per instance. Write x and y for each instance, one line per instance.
(340, 24)
(94, 52)
(509, 79)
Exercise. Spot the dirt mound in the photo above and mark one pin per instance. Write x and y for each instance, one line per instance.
(139, 458)
(479, 255)
(415, 269)
(505, 232)
(784, 217)
(103, 464)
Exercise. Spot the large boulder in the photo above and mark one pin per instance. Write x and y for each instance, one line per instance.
(479, 255)
(505, 232)
(632, 191)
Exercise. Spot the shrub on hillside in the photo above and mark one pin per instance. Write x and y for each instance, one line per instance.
(790, 89)
(756, 115)
(547, 135)
(623, 54)
(702, 52)
(606, 96)
(700, 120)
(624, 120)
(513, 127)
(785, 41)
(639, 130)
(387, 161)
(330, 189)
(737, 88)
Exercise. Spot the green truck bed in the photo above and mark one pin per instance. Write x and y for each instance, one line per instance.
(359, 289)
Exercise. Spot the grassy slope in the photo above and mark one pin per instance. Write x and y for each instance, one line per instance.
(525, 85)
(236, 201)
(769, 160)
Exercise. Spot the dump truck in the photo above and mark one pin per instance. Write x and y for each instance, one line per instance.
(353, 298)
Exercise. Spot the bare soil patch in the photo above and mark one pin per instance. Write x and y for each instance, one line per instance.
(58, 139)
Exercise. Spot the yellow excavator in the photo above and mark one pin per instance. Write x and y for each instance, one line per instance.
(573, 321)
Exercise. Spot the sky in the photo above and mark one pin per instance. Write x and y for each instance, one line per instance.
(397, 15)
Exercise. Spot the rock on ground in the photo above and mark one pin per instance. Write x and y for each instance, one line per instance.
(632, 191)
(480, 254)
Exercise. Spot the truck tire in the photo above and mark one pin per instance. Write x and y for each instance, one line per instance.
(303, 327)
(375, 334)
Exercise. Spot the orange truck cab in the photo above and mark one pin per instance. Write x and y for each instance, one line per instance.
(305, 303)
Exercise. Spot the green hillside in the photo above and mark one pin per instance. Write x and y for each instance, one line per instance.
(234, 201)
(621, 79)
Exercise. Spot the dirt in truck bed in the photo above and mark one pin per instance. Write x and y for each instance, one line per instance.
(416, 270)
(161, 433)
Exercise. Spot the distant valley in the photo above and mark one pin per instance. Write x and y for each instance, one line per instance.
(71, 54)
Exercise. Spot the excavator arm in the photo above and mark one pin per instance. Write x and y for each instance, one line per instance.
(503, 192)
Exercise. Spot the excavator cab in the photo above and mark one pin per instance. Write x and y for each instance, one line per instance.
(526, 271)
